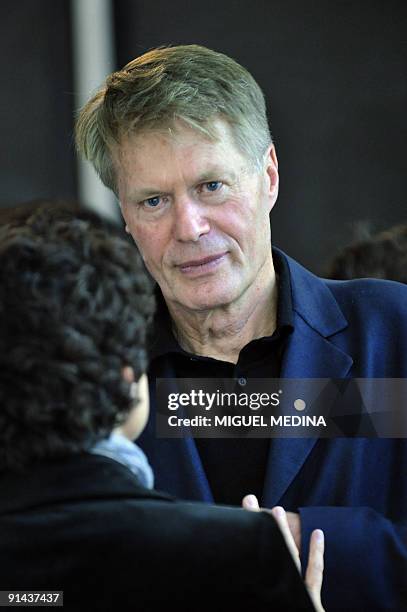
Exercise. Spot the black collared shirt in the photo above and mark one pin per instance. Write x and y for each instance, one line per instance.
(243, 461)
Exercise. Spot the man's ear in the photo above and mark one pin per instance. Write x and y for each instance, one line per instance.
(271, 174)
(128, 374)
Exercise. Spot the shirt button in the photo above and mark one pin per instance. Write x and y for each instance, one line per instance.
(242, 381)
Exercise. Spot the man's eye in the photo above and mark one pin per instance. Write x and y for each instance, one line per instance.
(212, 186)
(152, 202)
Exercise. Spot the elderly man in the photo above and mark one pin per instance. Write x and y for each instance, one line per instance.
(181, 136)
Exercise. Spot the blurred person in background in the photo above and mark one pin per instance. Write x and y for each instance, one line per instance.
(381, 255)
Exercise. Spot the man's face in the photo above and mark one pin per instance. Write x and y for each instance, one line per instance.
(198, 213)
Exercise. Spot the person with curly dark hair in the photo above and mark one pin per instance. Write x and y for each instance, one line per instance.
(77, 509)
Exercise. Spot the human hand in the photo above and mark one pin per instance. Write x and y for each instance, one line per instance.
(294, 523)
(288, 523)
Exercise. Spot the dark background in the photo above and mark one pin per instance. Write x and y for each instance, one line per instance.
(334, 74)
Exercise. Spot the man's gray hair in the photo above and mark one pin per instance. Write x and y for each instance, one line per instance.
(189, 83)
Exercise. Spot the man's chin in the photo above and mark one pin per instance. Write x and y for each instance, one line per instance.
(203, 301)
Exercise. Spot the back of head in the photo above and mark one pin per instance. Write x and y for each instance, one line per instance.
(188, 83)
(75, 303)
(60, 208)
(382, 255)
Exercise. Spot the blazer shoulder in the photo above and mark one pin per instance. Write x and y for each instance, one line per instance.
(376, 334)
(368, 295)
(331, 306)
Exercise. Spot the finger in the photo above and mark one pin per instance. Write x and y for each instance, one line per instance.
(315, 567)
(250, 502)
(281, 517)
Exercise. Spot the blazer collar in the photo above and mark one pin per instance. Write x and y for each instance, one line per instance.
(312, 300)
(76, 478)
(311, 351)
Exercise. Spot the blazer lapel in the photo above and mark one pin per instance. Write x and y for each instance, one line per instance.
(309, 354)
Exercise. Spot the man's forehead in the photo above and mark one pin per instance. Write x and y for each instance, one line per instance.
(215, 135)
(152, 160)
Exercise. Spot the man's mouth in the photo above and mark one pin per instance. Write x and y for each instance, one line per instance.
(196, 267)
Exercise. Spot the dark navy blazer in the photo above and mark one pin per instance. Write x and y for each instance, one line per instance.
(355, 489)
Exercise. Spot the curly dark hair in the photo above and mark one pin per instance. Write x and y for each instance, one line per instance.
(383, 255)
(75, 306)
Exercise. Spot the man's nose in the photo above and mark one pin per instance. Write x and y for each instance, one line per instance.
(190, 221)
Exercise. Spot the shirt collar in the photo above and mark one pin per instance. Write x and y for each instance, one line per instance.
(285, 314)
(119, 448)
